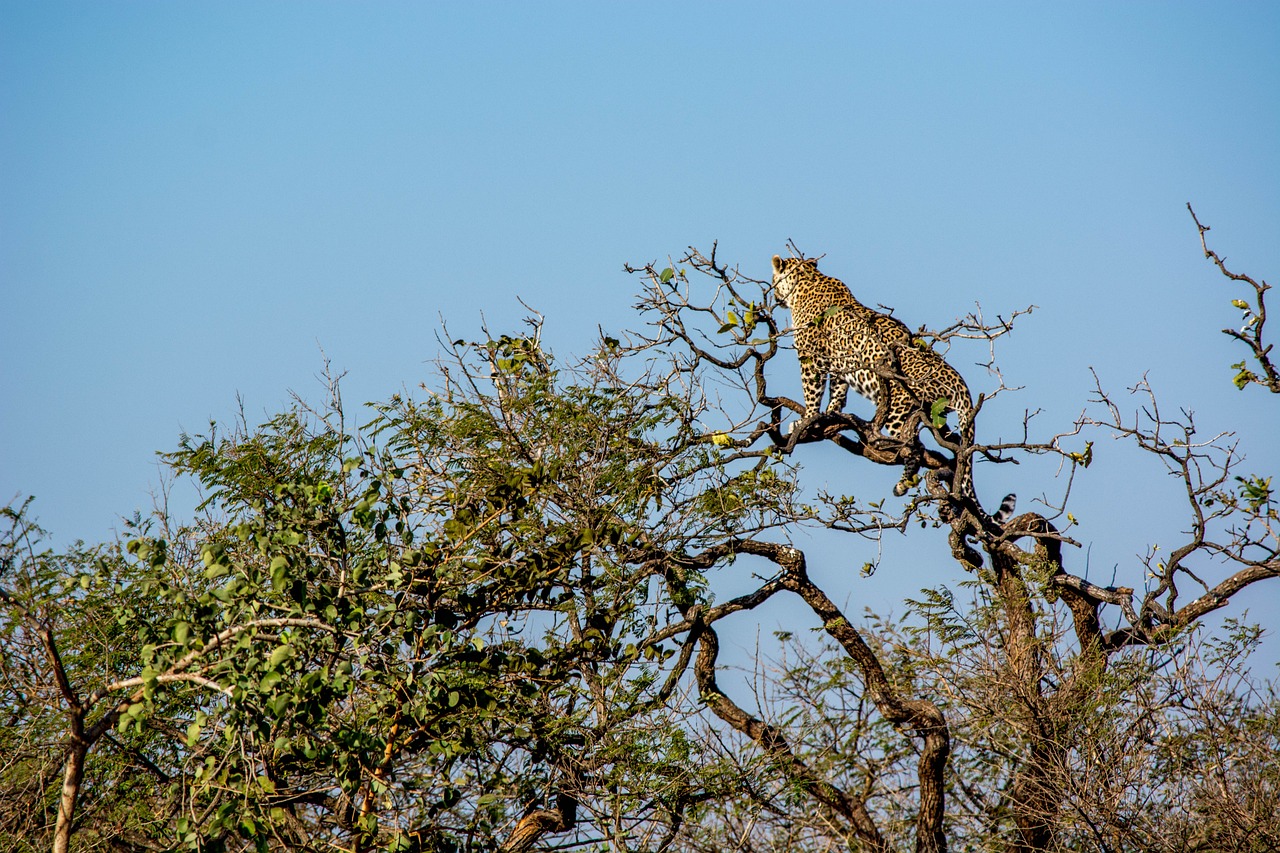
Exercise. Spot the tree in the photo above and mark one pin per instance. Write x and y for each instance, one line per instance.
(487, 618)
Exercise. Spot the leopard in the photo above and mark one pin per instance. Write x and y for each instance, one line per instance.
(845, 345)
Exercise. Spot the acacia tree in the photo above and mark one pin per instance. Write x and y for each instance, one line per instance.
(487, 617)
(1048, 666)
(1040, 628)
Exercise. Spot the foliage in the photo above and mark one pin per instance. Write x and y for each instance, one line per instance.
(486, 618)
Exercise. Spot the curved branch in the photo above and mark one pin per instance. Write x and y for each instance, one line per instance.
(925, 718)
(1255, 319)
(775, 744)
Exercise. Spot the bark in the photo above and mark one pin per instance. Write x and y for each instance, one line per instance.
(538, 823)
(72, 776)
(73, 770)
(1036, 793)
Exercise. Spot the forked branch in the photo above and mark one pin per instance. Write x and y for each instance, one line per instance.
(1255, 319)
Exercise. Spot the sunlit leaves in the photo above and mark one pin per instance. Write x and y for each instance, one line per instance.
(1255, 492)
(1243, 375)
(1083, 458)
(938, 412)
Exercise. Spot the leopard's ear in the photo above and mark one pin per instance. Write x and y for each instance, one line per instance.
(777, 264)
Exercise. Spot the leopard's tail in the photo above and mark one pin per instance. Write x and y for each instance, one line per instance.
(1007, 508)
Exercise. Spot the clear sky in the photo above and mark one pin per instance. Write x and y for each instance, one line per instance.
(196, 198)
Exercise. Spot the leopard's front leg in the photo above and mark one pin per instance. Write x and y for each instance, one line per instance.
(813, 379)
(813, 372)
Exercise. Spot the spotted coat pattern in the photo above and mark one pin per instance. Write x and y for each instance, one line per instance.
(841, 343)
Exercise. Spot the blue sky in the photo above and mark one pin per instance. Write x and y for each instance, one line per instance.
(196, 198)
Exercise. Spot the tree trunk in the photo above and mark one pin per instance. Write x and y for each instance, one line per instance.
(71, 778)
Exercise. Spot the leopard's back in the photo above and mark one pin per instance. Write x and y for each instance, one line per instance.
(932, 379)
(844, 347)
(842, 342)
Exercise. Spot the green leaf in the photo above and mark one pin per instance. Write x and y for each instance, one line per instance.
(1255, 491)
(400, 843)
(1085, 458)
(280, 655)
(667, 275)
(938, 412)
(1244, 377)
(279, 568)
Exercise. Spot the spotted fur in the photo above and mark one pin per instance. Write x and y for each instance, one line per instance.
(843, 343)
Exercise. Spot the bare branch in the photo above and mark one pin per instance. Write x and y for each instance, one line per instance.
(1254, 316)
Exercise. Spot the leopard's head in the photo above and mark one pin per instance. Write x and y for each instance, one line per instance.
(787, 275)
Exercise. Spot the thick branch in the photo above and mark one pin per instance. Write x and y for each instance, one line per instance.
(922, 716)
(775, 745)
(1219, 596)
(538, 823)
